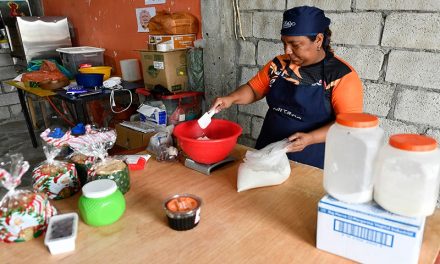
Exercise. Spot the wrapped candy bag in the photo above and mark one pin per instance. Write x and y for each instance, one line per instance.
(82, 162)
(57, 138)
(58, 179)
(96, 145)
(23, 213)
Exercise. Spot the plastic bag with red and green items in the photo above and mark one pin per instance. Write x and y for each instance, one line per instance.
(24, 214)
(58, 179)
(96, 145)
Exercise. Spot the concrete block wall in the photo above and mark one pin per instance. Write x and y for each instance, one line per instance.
(393, 45)
(10, 108)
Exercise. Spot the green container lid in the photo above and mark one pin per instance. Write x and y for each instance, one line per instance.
(101, 203)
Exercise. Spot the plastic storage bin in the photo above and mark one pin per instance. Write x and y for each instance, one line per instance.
(61, 233)
(182, 106)
(407, 176)
(352, 144)
(73, 57)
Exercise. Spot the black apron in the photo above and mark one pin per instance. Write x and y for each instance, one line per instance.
(297, 108)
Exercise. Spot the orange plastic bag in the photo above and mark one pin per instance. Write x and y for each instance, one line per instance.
(48, 72)
(47, 77)
(173, 23)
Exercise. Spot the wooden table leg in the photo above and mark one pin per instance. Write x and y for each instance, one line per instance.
(44, 113)
(27, 118)
(80, 115)
(32, 112)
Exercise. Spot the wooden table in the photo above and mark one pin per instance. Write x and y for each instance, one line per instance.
(78, 102)
(21, 89)
(266, 225)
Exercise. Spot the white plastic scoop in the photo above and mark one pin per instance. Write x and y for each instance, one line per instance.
(205, 120)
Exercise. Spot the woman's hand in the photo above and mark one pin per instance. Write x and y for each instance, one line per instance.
(300, 141)
(221, 103)
(243, 95)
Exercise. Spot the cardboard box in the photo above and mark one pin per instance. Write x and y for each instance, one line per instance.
(367, 233)
(165, 68)
(130, 139)
(153, 111)
(177, 41)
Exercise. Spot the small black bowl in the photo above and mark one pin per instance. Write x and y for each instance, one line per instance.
(186, 219)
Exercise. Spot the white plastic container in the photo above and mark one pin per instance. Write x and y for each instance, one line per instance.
(407, 176)
(73, 57)
(351, 147)
(130, 70)
(61, 233)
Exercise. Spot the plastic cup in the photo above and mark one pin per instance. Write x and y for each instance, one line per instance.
(183, 211)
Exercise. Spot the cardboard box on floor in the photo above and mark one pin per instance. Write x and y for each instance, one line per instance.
(165, 68)
(367, 233)
(131, 139)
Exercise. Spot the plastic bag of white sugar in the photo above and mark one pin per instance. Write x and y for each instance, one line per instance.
(264, 167)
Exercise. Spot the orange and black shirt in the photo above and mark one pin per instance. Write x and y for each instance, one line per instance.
(341, 82)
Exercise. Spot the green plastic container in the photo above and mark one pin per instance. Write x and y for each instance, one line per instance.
(101, 203)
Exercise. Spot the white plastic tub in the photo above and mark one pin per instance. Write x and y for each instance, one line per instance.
(351, 147)
(73, 57)
(61, 233)
(407, 176)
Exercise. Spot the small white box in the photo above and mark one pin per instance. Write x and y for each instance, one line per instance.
(61, 233)
(367, 233)
(153, 111)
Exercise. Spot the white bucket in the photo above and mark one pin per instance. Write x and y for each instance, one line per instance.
(130, 70)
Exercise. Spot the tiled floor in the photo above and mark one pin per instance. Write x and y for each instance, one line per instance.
(14, 138)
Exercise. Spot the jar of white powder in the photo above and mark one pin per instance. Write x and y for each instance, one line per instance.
(407, 176)
(351, 147)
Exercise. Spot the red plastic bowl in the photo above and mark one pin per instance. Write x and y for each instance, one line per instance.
(222, 136)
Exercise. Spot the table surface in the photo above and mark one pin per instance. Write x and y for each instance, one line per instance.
(266, 225)
(62, 93)
(104, 93)
(37, 91)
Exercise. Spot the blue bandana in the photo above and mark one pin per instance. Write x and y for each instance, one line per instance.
(304, 21)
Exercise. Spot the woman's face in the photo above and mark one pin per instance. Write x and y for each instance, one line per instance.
(302, 51)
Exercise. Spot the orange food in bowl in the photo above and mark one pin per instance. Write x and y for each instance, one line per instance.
(106, 70)
(182, 204)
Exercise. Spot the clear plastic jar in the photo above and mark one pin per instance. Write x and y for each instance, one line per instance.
(407, 176)
(351, 147)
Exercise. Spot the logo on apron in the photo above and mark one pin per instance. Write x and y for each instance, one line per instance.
(286, 112)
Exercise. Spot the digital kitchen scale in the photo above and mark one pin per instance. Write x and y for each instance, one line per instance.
(206, 168)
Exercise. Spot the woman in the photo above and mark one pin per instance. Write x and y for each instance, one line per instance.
(305, 88)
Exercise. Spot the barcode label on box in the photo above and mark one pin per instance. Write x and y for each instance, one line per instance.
(363, 233)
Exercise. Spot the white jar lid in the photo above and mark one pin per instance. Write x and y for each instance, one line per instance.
(99, 188)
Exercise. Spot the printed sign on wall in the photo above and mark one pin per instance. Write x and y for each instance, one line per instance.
(154, 2)
(143, 16)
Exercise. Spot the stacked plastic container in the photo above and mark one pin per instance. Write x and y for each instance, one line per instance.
(403, 176)
(351, 147)
(407, 175)
(73, 57)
